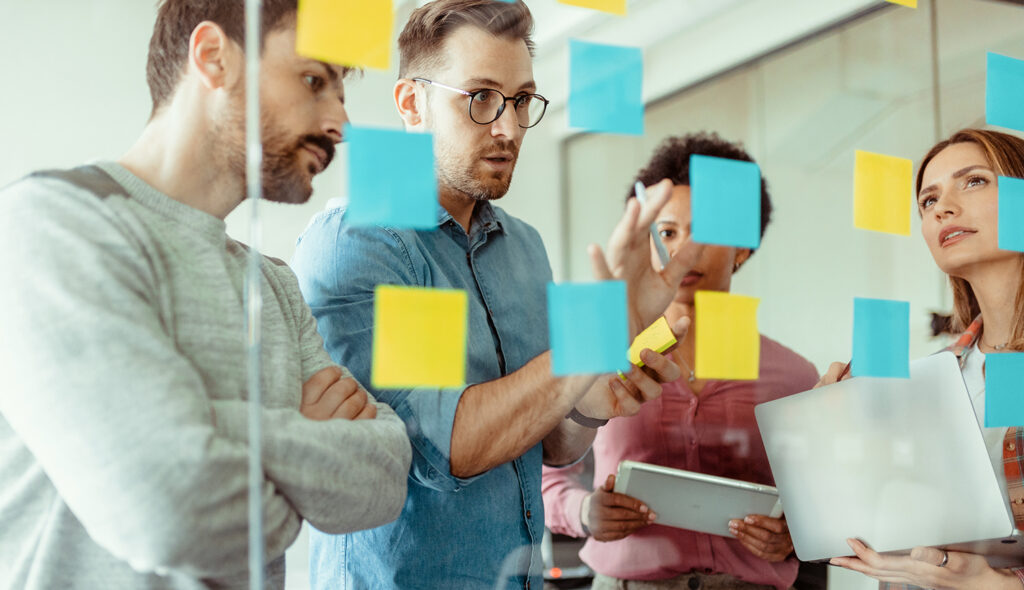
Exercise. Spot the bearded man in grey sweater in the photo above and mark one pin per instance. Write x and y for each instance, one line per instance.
(123, 412)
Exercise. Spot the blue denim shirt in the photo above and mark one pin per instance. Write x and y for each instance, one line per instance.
(453, 532)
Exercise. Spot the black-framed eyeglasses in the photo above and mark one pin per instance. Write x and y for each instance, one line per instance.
(487, 104)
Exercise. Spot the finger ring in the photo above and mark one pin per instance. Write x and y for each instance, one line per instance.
(945, 558)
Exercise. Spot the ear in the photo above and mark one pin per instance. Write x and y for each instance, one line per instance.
(742, 254)
(211, 54)
(410, 100)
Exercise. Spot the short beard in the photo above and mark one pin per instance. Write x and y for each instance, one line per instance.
(280, 178)
(454, 174)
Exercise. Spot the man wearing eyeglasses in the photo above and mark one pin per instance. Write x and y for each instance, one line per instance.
(474, 512)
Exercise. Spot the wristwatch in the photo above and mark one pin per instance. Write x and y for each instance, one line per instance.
(587, 421)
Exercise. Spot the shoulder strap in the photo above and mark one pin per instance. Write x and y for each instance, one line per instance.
(91, 178)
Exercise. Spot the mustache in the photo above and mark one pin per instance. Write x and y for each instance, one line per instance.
(502, 146)
(321, 141)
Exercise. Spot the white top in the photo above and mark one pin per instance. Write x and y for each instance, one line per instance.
(974, 376)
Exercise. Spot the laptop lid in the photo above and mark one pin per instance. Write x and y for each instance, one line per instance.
(897, 463)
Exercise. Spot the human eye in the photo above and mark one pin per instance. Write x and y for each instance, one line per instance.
(976, 181)
(315, 83)
(667, 233)
(484, 95)
(926, 201)
(524, 100)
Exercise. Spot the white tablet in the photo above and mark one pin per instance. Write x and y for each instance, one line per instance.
(695, 501)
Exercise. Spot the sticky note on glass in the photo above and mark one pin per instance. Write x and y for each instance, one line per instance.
(728, 343)
(419, 337)
(350, 32)
(883, 188)
(881, 338)
(1004, 91)
(612, 6)
(910, 3)
(1004, 389)
(725, 201)
(1011, 213)
(587, 327)
(658, 337)
(380, 194)
(606, 88)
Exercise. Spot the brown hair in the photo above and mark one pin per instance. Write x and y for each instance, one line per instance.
(175, 21)
(430, 25)
(671, 160)
(1005, 153)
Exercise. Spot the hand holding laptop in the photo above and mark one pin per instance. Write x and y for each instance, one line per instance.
(928, 567)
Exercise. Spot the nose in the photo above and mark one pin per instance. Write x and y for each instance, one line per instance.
(946, 206)
(507, 124)
(334, 121)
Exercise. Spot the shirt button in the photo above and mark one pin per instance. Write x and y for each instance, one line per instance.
(1011, 446)
(1019, 501)
(528, 514)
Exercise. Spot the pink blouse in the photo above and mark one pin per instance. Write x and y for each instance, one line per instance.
(713, 433)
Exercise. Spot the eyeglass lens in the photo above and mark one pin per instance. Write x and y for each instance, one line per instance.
(484, 106)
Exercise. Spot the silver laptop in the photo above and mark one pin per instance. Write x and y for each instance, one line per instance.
(896, 463)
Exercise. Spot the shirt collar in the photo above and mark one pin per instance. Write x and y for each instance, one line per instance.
(484, 217)
(966, 340)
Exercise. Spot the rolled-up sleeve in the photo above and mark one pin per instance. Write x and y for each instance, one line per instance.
(339, 267)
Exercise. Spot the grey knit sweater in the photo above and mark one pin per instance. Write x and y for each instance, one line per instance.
(123, 461)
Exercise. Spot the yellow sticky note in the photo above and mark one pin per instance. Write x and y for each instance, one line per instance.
(728, 344)
(349, 32)
(419, 337)
(883, 189)
(612, 6)
(658, 337)
(910, 3)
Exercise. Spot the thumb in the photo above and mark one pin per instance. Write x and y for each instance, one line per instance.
(681, 327)
(609, 483)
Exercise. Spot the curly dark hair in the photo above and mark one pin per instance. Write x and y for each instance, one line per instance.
(671, 160)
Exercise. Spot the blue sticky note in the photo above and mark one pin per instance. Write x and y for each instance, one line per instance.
(881, 338)
(1004, 92)
(1011, 213)
(1004, 389)
(725, 201)
(587, 327)
(391, 179)
(606, 88)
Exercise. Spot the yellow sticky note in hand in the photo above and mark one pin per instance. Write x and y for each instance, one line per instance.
(612, 6)
(910, 3)
(354, 33)
(658, 337)
(419, 337)
(728, 343)
(883, 189)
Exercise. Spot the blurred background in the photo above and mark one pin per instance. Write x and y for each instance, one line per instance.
(802, 83)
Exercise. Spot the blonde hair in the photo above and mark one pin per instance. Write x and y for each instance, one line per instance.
(1005, 153)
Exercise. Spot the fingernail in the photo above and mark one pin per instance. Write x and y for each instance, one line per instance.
(749, 520)
(652, 517)
(733, 529)
(644, 508)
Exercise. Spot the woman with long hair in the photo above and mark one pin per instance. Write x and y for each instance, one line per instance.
(958, 200)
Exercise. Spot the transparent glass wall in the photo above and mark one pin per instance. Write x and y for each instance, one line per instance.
(802, 112)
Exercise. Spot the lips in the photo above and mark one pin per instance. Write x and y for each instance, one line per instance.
(320, 154)
(953, 234)
(691, 278)
(499, 157)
